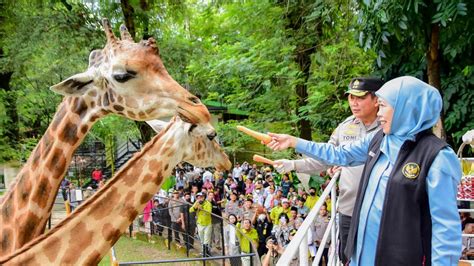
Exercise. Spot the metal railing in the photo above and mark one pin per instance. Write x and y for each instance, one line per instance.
(299, 241)
(218, 252)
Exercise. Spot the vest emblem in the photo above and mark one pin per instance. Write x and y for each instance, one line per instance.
(411, 170)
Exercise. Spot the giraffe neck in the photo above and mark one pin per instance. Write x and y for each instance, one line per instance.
(26, 207)
(93, 228)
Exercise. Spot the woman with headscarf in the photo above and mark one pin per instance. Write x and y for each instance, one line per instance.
(405, 212)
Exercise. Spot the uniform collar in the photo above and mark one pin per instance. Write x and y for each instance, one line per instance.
(374, 124)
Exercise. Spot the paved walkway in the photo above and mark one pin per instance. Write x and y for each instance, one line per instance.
(59, 210)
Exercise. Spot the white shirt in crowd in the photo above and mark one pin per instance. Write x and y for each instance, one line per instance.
(207, 176)
(236, 172)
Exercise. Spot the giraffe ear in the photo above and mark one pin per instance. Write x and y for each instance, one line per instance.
(75, 85)
(157, 125)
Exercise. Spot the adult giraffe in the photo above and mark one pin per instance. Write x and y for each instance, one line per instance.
(92, 229)
(124, 78)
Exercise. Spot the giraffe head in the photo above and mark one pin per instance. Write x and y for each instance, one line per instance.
(195, 143)
(129, 79)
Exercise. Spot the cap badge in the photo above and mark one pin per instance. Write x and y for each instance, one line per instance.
(355, 85)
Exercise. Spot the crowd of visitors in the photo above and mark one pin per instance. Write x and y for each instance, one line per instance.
(258, 207)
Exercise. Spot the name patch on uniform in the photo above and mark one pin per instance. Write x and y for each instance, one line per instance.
(411, 170)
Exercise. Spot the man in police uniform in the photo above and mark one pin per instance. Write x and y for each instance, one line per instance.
(364, 107)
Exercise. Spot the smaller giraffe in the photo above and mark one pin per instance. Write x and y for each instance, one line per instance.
(84, 237)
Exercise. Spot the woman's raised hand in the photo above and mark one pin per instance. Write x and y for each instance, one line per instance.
(281, 141)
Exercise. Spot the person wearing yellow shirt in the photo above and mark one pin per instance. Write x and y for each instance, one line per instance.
(311, 199)
(276, 211)
(203, 209)
(247, 234)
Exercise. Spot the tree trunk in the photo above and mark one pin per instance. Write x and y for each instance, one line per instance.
(146, 132)
(128, 14)
(304, 62)
(298, 31)
(11, 130)
(434, 78)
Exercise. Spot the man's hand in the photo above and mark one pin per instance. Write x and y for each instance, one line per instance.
(333, 170)
(468, 137)
(284, 166)
(281, 141)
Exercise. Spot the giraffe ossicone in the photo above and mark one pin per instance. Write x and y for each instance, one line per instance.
(86, 235)
(125, 78)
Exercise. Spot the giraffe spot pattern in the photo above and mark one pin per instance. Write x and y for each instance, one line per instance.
(150, 110)
(47, 143)
(147, 178)
(118, 108)
(54, 245)
(105, 100)
(43, 188)
(80, 107)
(59, 117)
(93, 258)
(84, 129)
(110, 233)
(6, 239)
(25, 191)
(131, 114)
(94, 118)
(130, 214)
(145, 197)
(57, 163)
(31, 224)
(155, 166)
(130, 179)
(36, 158)
(69, 134)
(7, 210)
(81, 237)
(103, 210)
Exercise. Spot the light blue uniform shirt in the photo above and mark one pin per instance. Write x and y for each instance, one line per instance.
(442, 180)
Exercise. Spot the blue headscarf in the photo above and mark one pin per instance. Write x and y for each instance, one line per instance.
(417, 107)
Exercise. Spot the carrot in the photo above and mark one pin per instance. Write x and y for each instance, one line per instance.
(262, 159)
(260, 136)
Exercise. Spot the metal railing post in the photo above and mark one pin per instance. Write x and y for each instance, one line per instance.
(221, 222)
(333, 228)
(186, 227)
(304, 251)
(292, 248)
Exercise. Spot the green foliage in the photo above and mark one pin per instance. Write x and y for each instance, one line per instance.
(399, 32)
(40, 55)
(242, 54)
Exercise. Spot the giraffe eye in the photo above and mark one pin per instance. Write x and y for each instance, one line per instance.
(192, 127)
(124, 77)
